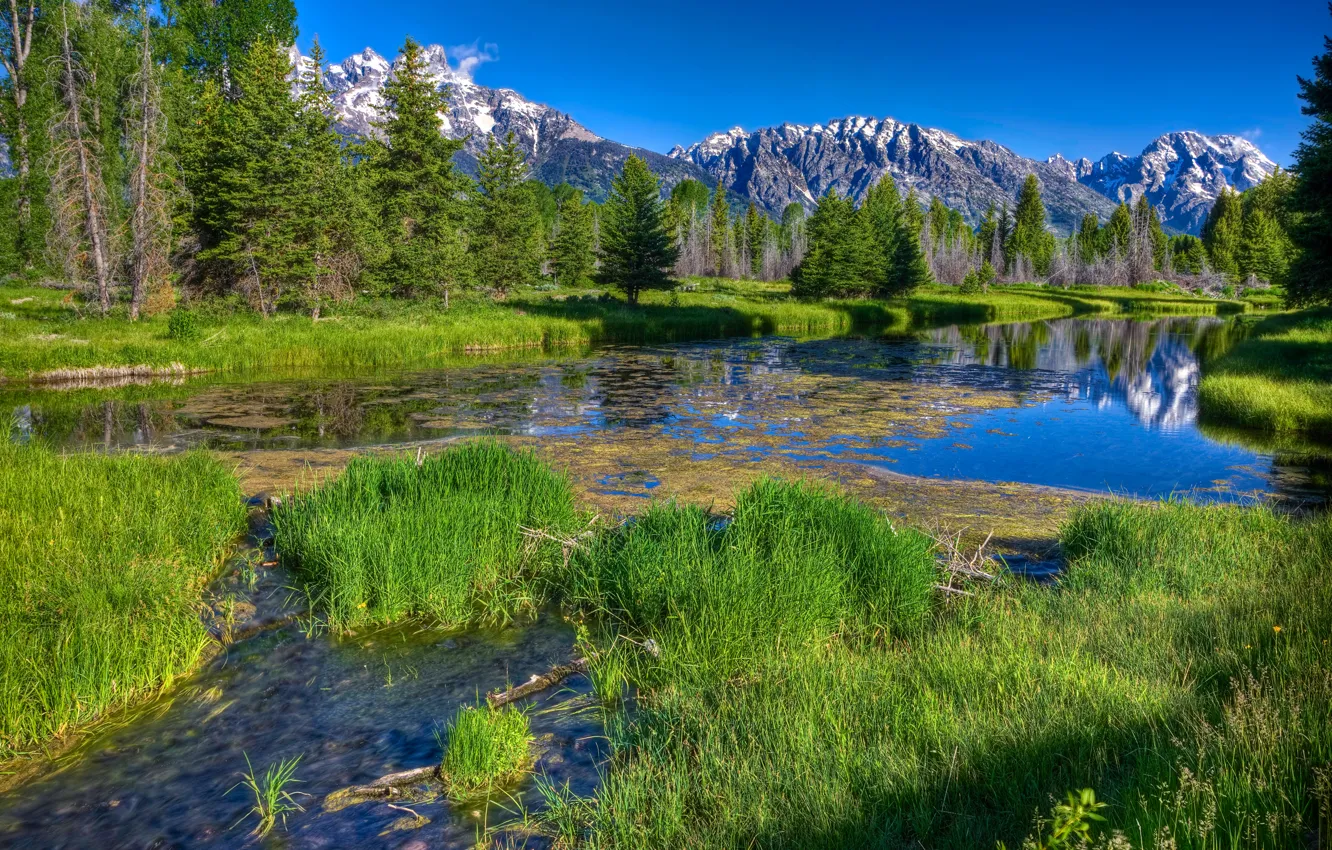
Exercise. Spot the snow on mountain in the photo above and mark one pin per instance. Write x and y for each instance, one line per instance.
(559, 148)
(795, 163)
(1180, 173)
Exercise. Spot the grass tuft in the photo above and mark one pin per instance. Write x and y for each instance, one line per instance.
(272, 800)
(485, 751)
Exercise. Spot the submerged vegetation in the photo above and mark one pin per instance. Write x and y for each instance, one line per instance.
(103, 562)
(1279, 379)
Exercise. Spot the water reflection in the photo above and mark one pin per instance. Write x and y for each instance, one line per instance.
(1096, 404)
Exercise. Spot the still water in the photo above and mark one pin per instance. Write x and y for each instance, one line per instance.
(1106, 405)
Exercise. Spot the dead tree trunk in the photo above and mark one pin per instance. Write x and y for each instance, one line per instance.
(150, 223)
(17, 26)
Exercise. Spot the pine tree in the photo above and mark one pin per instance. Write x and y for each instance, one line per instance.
(1223, 232)
(1160, 243)
(20, 113)
(755, 233)
(418, 190)
(883, 207)
(1119, 232)
(1263, 252)
(1187, 254)
(1310, 278)
(1089, 239)
(842, 259)
(721, 224)
(985, 233)
(218, 35)
(636, 250)
(572, 253)
(938, 220)
(910, 268)
(507, 240)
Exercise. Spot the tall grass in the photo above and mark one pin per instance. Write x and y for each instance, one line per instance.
(272, 799)
(1277, 380)
(484, 750)
(441, 540)
(1181, 670)
(103, 561)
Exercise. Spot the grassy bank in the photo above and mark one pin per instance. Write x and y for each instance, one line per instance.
(1279, 379)
(42, 332)
(811, 688)
(103, 561)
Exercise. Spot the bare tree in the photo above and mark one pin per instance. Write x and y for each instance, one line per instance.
(152, 185)
(15, 48)
(79, 234)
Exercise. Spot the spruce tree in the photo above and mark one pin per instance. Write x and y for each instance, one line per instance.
(755, 232)
(572, 253)
(910, 269)
(1089, 239)
(636, 250)
(721, 224)
(842, 259)
(883, 207)
(1310, 278)
(1160, 244)
(938, 219)
(1119, 232)
(1223, 232)
(1029, 238)
(508, 236)
(985, 233)
(418, 190)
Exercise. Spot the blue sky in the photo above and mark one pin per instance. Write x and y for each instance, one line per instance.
(1082, 79)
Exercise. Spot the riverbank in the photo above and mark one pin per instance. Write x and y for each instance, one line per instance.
(103, 562)
(44, 338)
(1278, 379)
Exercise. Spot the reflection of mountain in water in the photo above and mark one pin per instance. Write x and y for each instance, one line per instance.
(1150, 367)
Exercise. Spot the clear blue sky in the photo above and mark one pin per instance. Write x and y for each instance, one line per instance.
(1081, 78)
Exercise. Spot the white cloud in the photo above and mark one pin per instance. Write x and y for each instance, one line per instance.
(469, 56)
(1253, 134)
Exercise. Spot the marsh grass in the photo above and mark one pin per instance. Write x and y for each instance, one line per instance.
(272, 800)
(485, 750)
(1278, 380)
(103, 564)
(1181, 670)
(440, 539)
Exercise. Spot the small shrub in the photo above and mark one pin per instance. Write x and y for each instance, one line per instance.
(184, 326)
(486, 750)
(970, 284)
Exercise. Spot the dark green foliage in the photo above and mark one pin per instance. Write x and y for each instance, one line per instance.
(636, 250)
(184, 326)
(1118, 232)
(1029, 237)
(215, 35)
(689, 200)
(1310, 279)
(1090, 239)
(909, 267)
(416, 186)
(843, 258)
(938, 220)
(756, 230)
(1223, 232)
(985, 233)
(721, 226)
(572, 254)
(1160, 245)
(1188, 254)
(970, 283)
(508, 236)
(883, 207)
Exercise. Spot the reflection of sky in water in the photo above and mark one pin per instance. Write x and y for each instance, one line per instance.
(1095, 404)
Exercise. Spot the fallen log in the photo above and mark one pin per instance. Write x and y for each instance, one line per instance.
(386, 786)
(538, 683)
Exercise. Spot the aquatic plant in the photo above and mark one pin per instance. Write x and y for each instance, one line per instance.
(439, 537)
(103, 563)
(272, 800)
(485, 750)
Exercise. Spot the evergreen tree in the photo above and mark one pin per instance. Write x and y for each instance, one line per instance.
(1310, 279)
(216, 36)
(636, 250)
(842, 259)
(938, 220)
(883, 207)
(988, 225)
(721, 224)
(1160, 245)
(415, 184)
(1029, 238)
(1119, 232)
(1003, 231)
(508, 237)
(755, 232)
(1223, 232)
(572, 254)
(910, 268)
(1187, 254)
(913, 215)
(1266, 247)
(688, 201)
(1089, 238)
(254, 178)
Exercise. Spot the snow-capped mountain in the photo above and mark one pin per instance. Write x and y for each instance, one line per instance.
(560, 148)
(1180, 173)
(797, 163)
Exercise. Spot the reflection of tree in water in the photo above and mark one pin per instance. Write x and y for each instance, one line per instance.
(1151, 366)
(637, 391)
(332, 410)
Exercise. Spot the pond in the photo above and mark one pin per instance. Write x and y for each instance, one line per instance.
(1103, 405)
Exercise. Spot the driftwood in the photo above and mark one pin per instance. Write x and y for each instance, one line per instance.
(538, 683)
(387, 786)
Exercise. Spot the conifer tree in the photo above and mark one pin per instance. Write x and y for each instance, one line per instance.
(1223, 232)
(883, 207)
(842, 259)
(1029, 238)
(19, 115)
(1160, 244)
(1310, 279)
(755, 233)
(910, 268)
(988, 225)
(938, 220)
(418, 190)
(572, 253)
(721, 224)
(636, 250)
(507, 241)
(1119, 231)
(1089, 238)
(913, 214)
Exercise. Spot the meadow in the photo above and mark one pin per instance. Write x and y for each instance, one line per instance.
(1278, 379)
(44, 335)
(810, 685)
(103, 566)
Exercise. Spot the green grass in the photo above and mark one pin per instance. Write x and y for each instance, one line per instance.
(442, 541)
(1155, 674)
(485, 750)
(1278, 380)
(103, 562)
(272, 800)
(42, 333)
